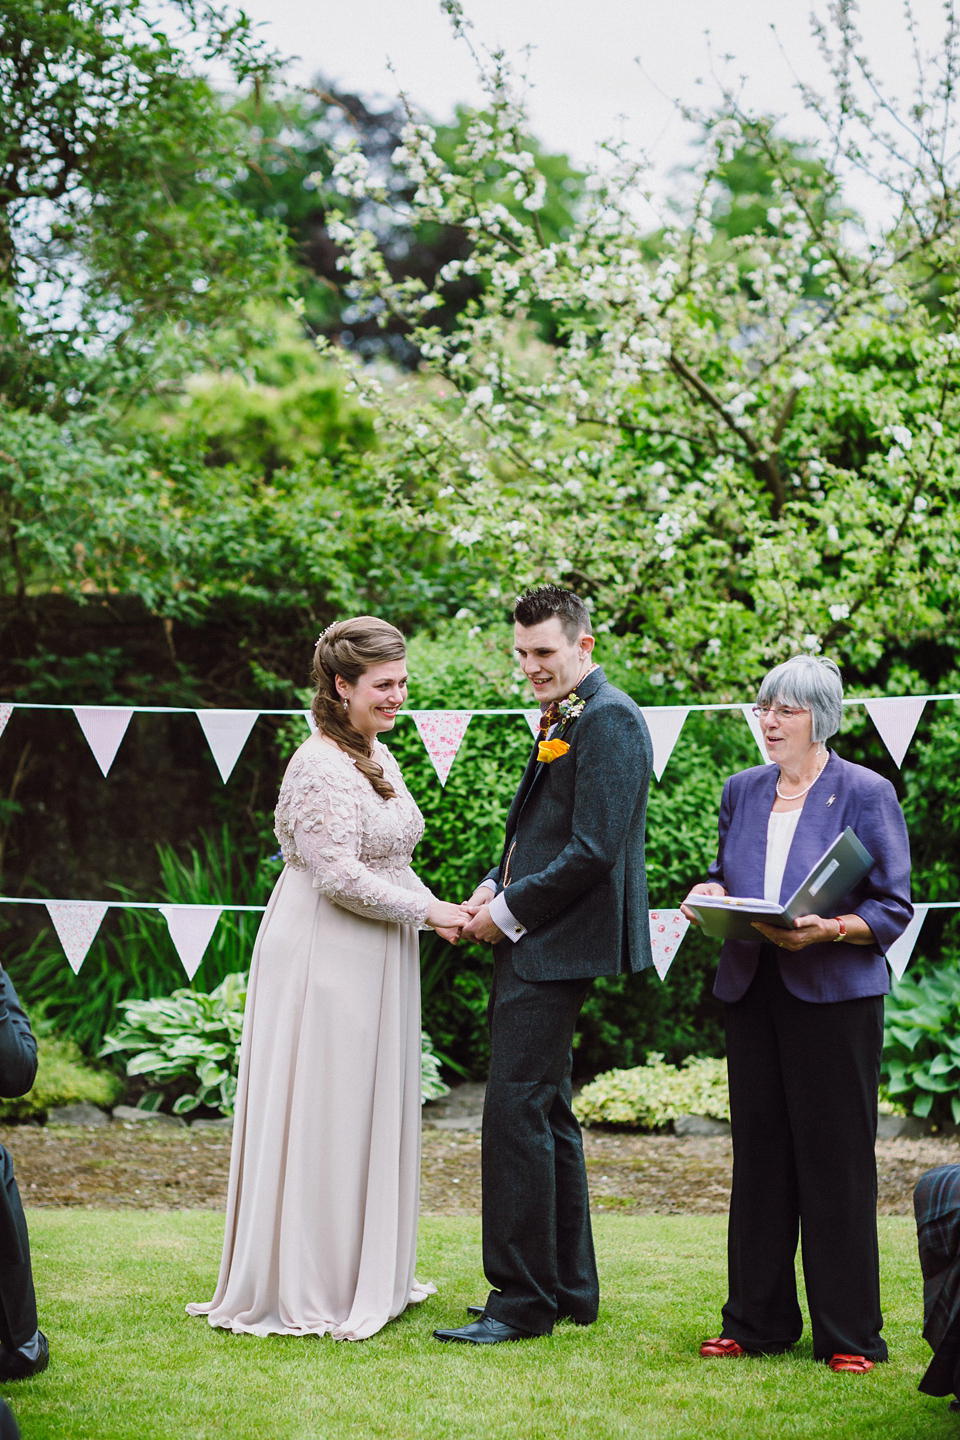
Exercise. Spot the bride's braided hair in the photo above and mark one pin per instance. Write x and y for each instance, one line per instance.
(349, 648)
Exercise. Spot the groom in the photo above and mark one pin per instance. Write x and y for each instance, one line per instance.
(567, 902)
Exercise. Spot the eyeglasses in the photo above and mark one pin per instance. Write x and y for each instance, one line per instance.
(779, 712)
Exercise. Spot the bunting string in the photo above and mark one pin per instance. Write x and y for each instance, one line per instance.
(895, 717)
(191, 928)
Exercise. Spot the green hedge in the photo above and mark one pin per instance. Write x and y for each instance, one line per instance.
(62, 1079)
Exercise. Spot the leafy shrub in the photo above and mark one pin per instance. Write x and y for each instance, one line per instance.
(188, 1043)
(921, 1044)
(650, 1096)
(62, 1079)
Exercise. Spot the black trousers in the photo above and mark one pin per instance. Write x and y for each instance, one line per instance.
(537, 1242)
(803, 1105)
(18, 1301)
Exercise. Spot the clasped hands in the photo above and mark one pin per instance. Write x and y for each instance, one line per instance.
(470, 921)
(807, 929)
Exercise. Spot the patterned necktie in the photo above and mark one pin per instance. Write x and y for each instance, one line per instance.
(549, 717)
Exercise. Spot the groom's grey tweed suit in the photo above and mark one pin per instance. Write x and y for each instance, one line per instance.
(576, 880)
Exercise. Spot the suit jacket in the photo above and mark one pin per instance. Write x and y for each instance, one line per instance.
(18, 1070)
(843, 794)
(575, 841)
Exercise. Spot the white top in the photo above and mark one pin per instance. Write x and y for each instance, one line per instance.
(780, 831)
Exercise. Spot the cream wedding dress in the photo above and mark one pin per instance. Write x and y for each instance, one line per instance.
(325, 1168)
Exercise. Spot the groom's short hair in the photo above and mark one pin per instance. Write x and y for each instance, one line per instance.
(535, 606)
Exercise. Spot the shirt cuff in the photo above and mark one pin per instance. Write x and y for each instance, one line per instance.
(504, 920)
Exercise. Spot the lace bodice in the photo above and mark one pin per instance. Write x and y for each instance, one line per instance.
(329, 819)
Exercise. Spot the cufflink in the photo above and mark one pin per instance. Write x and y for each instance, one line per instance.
(518, 929)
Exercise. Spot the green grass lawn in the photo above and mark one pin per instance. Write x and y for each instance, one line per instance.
(128, 1364)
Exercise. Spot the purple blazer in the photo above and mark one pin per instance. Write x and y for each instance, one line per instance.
(843, 794)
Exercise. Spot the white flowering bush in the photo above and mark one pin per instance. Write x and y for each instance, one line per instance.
(651, 1096)
(742, 445)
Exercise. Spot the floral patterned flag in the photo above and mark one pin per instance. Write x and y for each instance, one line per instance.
(191, 927)
(5, 712)
(104, 728)
(896, 718)
(664, 723)
(442, 733)
(227, 732)
(756, 732)
(667, 929)
(76, 923)
(532, 718)
(898, 956)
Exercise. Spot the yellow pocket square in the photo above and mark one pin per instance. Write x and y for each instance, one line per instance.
(549, 750)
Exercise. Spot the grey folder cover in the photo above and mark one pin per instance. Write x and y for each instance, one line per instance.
(729, 917)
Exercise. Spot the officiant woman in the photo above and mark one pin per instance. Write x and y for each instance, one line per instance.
(804, 1030)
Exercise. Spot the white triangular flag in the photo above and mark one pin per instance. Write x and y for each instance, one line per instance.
(898, 956)
(667, 929)
(532, 718)
(76, 922)
(308, 716)
(191, 927)
(227, 732)
(664, 723)
(5, 712)
(442, 733)
(104, 729)
(896, 719)
(756, 732)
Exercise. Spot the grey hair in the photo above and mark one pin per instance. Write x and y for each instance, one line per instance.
(810, 682)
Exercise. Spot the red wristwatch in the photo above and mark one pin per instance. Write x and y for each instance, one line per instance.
(842, 932)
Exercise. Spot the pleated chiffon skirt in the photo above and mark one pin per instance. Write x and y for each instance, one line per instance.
(324, 1191)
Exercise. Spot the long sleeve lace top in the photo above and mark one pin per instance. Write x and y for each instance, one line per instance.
(330, 820)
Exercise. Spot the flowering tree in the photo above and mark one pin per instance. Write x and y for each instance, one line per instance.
(741, 445)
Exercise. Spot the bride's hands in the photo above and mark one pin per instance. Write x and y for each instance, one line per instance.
(447, 919)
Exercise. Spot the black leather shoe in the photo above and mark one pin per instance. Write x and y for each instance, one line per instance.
(15, 1366)
(476, 1310)
(485, 1331)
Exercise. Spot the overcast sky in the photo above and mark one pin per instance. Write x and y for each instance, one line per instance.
(587, 84)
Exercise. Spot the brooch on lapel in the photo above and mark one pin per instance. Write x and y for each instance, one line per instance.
(550, 750)
(830, 801)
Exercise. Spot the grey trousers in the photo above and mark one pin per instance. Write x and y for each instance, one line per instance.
(537, 1243)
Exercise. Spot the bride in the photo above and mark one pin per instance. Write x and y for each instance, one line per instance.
(325, 1167)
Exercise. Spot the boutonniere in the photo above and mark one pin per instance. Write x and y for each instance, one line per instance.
(550, 750)
(570, 708)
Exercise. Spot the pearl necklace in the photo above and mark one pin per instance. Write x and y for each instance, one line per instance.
(804, 790)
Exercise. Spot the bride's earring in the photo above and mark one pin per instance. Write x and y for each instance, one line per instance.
(344, 704)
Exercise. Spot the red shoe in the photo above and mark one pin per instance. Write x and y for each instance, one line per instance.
(852, 1364)
(713, 1349)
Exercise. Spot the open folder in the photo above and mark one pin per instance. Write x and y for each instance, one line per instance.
(730, 917)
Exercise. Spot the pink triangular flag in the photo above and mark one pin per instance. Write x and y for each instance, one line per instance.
(76, 922)
(227, 732)
(896, 718)
(667, 929)
(664, 723)
(104, 729)
(898, 956)
(756, 732)
(5, 712)
(532, 718)
(191, 927)
(308, 716)
(442, 733)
